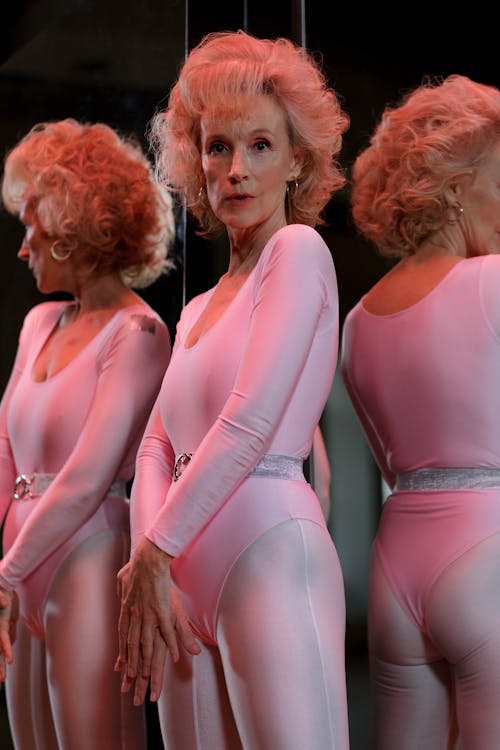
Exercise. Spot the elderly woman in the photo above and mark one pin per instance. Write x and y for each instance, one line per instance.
(421, 360)
(230, 542)
(86, 375)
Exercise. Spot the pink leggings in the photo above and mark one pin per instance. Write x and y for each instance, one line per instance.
(434, 621)
(263, 588)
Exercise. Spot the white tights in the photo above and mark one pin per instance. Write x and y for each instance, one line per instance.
(62, 693)
(420, 681)
(277, 679)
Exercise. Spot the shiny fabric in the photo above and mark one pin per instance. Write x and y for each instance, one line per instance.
(62, 550)
(424, 383)
(255, 565)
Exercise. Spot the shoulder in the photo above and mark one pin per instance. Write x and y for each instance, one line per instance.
(43, 315)
(139, 317)
(299, 238)
(140, 326)
(300, 247)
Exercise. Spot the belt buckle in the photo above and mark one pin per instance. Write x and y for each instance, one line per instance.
(180, 464)
(22, 487)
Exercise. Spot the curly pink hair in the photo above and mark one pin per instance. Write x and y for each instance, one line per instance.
(440, 132)
(94, 192)
(220, 73)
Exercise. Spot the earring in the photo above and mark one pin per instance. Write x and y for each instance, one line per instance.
(59, 258)
(201, 193)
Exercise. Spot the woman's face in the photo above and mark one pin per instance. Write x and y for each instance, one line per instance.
(247, 161)
(480, 200)
(50, 275)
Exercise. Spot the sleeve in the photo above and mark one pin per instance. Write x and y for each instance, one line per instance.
(7, 465)
(155, 458)
(296, 288)
(370, 433)
(130, 371)
(489, 284)
(153, 475)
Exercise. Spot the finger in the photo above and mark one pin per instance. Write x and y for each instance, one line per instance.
(141, 685)
(183, 627)
(4, 599)
(118, 587)
(147, 638)
(5, 647)
(133, 646)
(158, 666)
(123, 627)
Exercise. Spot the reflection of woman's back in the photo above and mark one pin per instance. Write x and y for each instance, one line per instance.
(421, 361)
(434, 359)
(427, 377)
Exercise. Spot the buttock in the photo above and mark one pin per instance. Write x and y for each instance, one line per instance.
(112, 513)
(421, 533)
(258, 504)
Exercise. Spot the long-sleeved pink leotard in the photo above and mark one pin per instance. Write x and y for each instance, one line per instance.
(424, 382)
(255, 383)
(84, 425)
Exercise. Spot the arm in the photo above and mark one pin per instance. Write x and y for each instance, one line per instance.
(129, 376)
(370, 433)
(8, 471)
(296, 291)
(321, 472)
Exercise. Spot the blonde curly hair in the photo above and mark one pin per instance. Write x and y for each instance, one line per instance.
(222, 71)
(440, 132)
(94, 192)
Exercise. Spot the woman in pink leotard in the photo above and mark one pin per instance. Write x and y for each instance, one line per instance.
(86, 375)
(421, 361)
(233, 569)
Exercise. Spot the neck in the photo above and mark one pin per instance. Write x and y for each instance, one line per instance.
(103, 293)
(246, 245)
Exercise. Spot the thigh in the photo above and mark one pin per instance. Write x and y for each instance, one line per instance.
(29, 710)
(194, 708)
(81, 621)
(464, 619)
(281, 631)
(412, 687)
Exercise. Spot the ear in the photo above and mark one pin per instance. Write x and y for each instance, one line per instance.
(455, 192)
(296, 164)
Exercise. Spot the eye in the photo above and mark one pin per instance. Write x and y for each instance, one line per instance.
(262, 144)
(217, 147)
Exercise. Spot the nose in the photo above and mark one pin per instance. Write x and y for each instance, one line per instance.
(238, 170)
(24, 251)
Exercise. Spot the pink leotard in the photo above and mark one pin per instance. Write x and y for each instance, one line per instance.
(83, 424)
(424, 382)
(256, 383)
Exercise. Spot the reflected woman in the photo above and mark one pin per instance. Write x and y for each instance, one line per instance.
(84, 380)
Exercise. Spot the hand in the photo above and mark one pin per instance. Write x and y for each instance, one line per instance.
(152, 621)
(9, 611)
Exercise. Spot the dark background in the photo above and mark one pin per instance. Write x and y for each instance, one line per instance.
(115, 61)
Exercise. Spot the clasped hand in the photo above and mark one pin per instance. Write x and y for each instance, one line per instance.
(152, 621)
(9, 610)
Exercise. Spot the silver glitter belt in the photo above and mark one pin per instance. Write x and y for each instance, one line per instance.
(270, 465)
(34, 485)
(447, 479)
